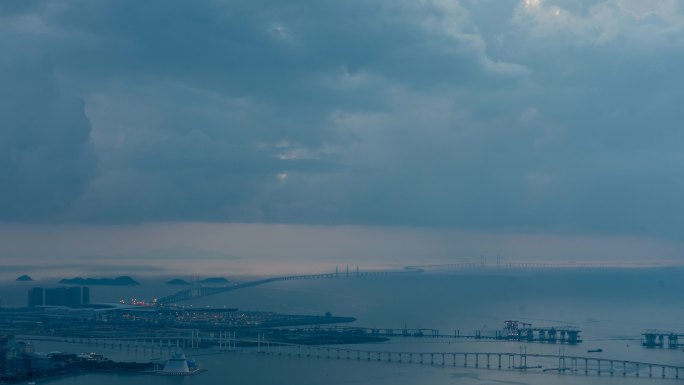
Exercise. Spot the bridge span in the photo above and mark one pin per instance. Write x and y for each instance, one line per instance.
(228, 342)
(532, 362)
(203, 291)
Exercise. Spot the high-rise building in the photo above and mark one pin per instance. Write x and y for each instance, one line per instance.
(35, 297)
(73, 296)
(86, 295)
(8, 355)
(56, 296)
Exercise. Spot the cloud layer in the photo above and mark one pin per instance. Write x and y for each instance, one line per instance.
(535, 115)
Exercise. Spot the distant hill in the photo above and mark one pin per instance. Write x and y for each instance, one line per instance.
(177, 281)
(118, 281)
(24, 278)
(215, 280)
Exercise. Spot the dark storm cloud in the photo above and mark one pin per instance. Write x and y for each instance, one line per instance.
(46, 159)
(533, 115)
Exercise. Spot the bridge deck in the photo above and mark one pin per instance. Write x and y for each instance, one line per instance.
(539, 363)
(203, 291)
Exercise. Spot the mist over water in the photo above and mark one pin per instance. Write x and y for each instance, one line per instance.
(189, 249)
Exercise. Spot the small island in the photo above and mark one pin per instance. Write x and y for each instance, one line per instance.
(24, 278)
(118, 281)
(177, 281)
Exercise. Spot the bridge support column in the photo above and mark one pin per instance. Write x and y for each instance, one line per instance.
(650, 370)
(487, 360)
(477, 360)
(465, 360)
(663, 371)
(598, 364)
(499, 361)
(586, 366)
(443, 359)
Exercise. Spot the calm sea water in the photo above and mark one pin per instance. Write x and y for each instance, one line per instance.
(611, 306)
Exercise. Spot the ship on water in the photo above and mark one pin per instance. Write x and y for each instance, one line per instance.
(179, 365)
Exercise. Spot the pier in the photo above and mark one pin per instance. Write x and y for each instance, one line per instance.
(656, 339)
(222, 340)
(513, 331)
(521, 331)
(377, 332)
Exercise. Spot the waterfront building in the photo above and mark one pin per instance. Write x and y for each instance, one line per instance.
(73, 297)
(86, 295)
(56, 296)
(24, 347)
(34, 362)
(8, 355)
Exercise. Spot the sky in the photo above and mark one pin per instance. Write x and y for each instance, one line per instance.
(458, 125)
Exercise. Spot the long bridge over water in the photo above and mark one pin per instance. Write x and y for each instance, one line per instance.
(227, 342)
(203, 291)
(542, 363)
